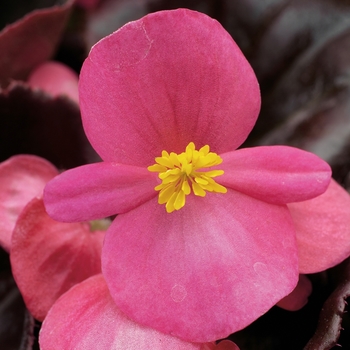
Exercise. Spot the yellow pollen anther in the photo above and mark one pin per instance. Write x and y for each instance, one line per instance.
(181, 172)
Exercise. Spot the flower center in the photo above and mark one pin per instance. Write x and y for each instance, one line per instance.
(181, 172)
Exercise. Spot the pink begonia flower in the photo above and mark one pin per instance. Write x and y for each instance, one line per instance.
(22, 178)
(49, 257)
(196, 268)
(86, 318)
(55, 79)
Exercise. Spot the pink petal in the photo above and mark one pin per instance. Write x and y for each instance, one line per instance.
(205, 271)
(22, 177)
(48, 257)
(55, 79)
(98, 190)
(323, 229)
(163, 81)
(86, 318)
(299, 296)
(275, 174)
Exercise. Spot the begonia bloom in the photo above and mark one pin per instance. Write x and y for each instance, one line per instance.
(22, 178)
(86, 317)
(211, 267)
(55, 79)
(49, 257)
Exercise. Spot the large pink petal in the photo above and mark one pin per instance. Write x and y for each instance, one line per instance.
(204, 271)
(21, 178)
(86, 318)
(275, 174)
(98, 190)
(323, 229)
(160, 82)
(49, 257)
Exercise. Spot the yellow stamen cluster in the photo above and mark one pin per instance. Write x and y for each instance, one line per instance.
(180, 172)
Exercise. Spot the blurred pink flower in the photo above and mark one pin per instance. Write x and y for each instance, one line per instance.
(86, 315)
(55, 79)
(202, 268)
(22, 178)
(47, 257)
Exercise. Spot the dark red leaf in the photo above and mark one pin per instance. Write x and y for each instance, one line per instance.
(330, 321)
(32, 39)
(35, 123)
(16, 324)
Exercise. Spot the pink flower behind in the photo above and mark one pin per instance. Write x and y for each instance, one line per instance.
(22, 178)
(55, 79)
(49, 257)
(154, 96)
